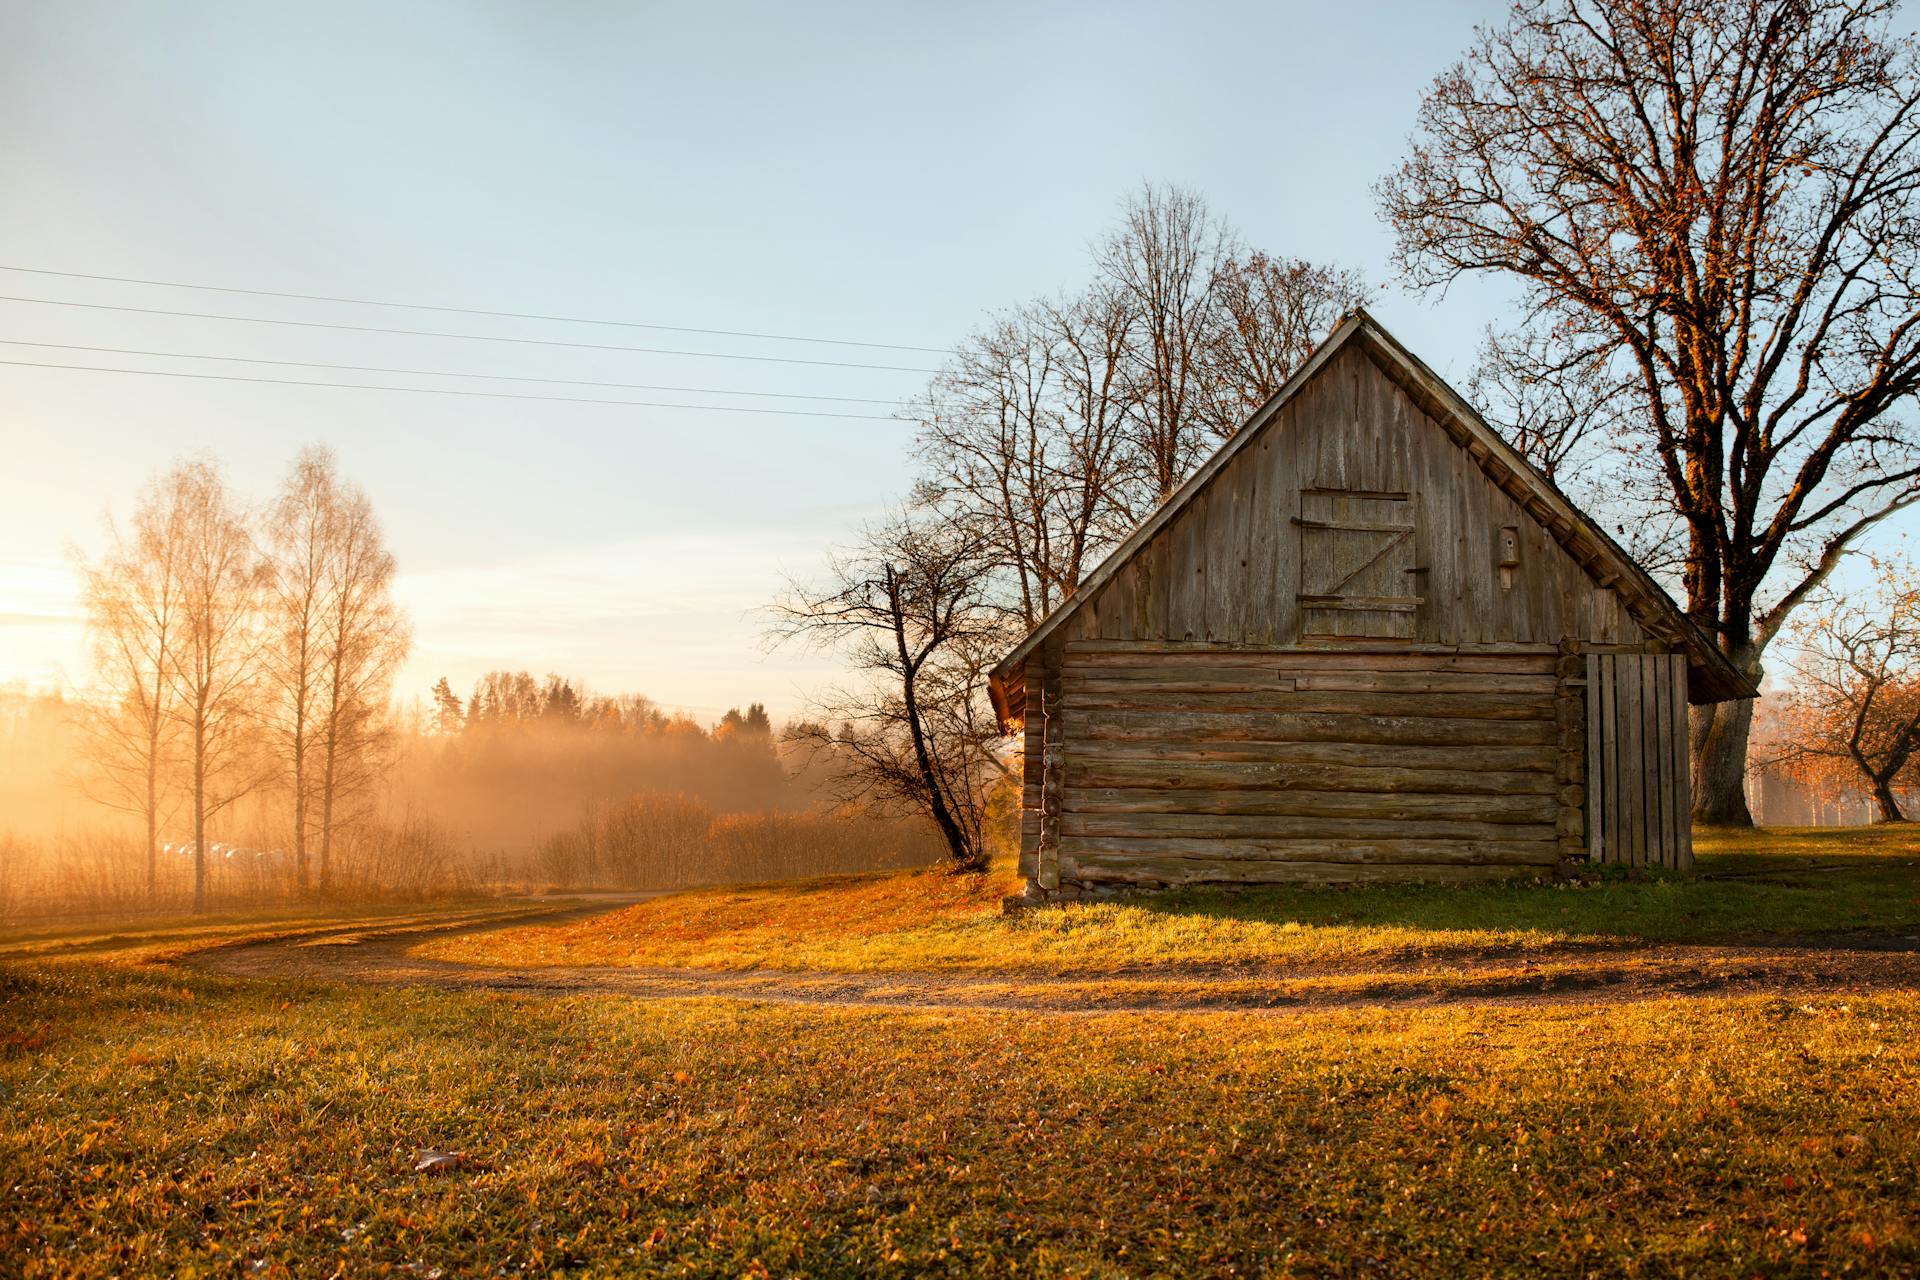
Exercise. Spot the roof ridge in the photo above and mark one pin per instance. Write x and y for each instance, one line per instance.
(1599, 556)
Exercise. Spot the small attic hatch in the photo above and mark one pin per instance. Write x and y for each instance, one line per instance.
(1357, 576)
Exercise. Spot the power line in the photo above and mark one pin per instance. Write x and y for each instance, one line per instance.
(448, 391)
(470, 311)
(472, 337)
(440, 373)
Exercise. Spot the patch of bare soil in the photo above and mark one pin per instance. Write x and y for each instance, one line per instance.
(1801, 965)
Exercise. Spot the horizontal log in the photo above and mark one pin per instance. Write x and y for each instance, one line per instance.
(1355, 648)
(1522, 660)
(1117, 849)
(1197, 871)
(1457, 706)
(1315, 804)
(1531, 759)
(1536, 684)
(1218, 826)
(1212, 726)
(1231, 679)
(1370, 779)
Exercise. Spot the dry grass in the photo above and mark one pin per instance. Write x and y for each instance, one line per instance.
(165, 1123)
(160, 1121)
(1781, 882)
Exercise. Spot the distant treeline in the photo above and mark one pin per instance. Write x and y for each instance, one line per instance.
(534, 783)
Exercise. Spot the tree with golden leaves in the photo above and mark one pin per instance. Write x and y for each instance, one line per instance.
(1853, 712)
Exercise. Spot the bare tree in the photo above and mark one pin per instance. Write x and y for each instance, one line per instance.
(911, 611)
(299, 536)
(1166, 262)
(134, 618)
(1558, 401)
(213, 666)
(1727, 188)
(1023, 439)
(1055, 430)
(364, 637)
(987, 443)
(1856, 694)
(1270, 313)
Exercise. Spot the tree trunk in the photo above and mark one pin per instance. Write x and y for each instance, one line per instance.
(1886, 801)
(199, 819)
(153, 823)
(326, 814)
(1720, 731)
(965, 858)
(300, 815)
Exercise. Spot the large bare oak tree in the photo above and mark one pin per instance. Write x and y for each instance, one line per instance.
(1727, 190)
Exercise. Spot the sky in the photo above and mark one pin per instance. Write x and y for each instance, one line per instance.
(875, 173)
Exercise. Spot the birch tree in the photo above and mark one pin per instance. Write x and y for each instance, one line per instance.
(1055, 429)
(364, 637)
(1270, 313)
(300, 534)
(1024, 440)
(135, 614)
(212, 669)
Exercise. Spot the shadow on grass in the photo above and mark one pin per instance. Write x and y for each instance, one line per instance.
(1746, 885)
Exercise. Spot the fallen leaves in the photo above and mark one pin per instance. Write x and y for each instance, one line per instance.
(427, 1160)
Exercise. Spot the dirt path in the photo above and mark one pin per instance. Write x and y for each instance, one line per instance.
(1839, 963)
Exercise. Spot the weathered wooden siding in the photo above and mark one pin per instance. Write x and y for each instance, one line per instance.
(1229, 570)
(1187, 763)
(1639, 800)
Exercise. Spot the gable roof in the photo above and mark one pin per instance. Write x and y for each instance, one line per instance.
(1712, 677)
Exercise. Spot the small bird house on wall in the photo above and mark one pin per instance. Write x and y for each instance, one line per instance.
(1509, 555)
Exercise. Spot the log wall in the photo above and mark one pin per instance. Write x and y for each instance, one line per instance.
(1189, 764)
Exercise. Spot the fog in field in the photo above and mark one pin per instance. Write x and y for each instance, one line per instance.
(523, 784)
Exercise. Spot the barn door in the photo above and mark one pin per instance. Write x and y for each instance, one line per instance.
(1639, 791)
(1356, 564)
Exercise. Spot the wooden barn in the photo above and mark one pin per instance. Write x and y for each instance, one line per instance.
(1366, 640)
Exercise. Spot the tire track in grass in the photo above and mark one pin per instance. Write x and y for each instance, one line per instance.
(1839, 963)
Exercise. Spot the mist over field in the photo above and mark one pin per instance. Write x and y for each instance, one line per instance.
(548, 789)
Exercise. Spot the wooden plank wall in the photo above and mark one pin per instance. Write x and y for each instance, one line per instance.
(1228, 569)
(1213, 763)
(1638, 793)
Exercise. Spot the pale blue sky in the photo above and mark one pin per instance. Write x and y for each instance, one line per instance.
(878, 172)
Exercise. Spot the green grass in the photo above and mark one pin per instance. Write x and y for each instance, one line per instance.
(159, 1122)
(1747, 884)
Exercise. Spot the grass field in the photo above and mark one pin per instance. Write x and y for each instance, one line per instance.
(1747, 884)
(162, 1121)
(168, 1123)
